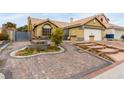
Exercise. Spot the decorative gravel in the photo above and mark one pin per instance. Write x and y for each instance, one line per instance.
(70, 64)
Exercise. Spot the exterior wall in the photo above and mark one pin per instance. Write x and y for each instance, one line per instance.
(103, 34)
(94, 22)
(103, 19)
(94, 25)
(118, 34)
(109, 31)
(0, 30)
(38, 29)
(77, 31)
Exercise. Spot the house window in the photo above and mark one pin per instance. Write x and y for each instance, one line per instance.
(46, 30)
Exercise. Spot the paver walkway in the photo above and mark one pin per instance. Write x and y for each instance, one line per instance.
(64, 65)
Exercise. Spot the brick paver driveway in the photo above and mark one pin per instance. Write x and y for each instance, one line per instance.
(70, 64)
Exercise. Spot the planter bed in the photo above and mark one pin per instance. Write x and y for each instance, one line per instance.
(24, 52)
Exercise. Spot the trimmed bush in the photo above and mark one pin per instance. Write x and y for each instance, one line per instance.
(4, 36)
(57, 36)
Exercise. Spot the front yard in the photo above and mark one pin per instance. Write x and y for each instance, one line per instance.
(70, 64)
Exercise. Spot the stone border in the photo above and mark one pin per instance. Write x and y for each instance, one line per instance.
(4, 46)
(12, 54)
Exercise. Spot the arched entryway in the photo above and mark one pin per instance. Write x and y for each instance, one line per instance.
(46, 30)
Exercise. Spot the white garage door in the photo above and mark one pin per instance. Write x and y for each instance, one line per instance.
(94, 32)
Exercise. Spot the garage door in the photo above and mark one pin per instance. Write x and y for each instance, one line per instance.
(96, 33)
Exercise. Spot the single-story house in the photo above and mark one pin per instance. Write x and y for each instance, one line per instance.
(83, 29)
(93, 28)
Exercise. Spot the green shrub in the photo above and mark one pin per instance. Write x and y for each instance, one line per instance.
(57, 36)
(4, 36)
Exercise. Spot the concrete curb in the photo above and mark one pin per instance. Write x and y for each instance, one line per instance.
(13, 54)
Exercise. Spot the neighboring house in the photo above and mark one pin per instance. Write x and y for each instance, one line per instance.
(91, 28)
(112, 31)
(8, 29)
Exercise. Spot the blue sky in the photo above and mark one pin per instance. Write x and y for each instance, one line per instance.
(21, 18)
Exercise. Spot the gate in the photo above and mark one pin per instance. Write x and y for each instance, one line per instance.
(22, 36)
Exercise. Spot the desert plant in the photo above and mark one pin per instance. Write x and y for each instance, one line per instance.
(57, 36)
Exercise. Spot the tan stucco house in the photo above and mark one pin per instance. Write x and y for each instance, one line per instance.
(93, 28)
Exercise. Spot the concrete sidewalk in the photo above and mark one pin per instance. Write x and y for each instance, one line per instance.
(114, 73)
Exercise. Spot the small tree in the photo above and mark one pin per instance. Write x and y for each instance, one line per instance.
(57, 36)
